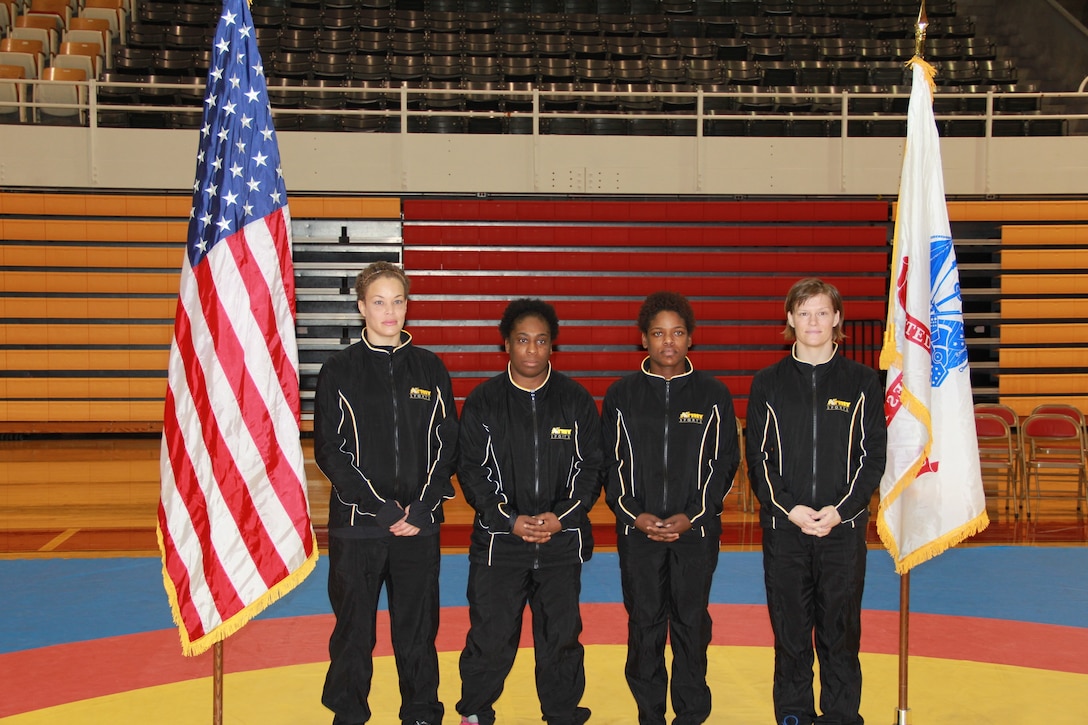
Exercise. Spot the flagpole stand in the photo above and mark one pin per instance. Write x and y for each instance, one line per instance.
(902, 717)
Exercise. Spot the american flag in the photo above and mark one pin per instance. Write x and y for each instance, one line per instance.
(234, 524)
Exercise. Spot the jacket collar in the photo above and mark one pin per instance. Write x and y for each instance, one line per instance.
(646, 369)
(543, 385)
(805, 364)
(405, 340)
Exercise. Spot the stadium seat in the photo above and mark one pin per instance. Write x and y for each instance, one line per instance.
(60, 10)
(850, 73)
(943, 49)
(42, 28)
(766, 49)
(696, 48)
(582, 20)
(589, 47)
(872, 49)
(27, 54)
(630, 70)
(959, 73)
(731, 49)
(793, 99)
(815, 73)
(62, 88)
(802, 49)
(666, 70)
(742, 73)
(996, 72)
(100, 25)
(112, 12)
(704, 71)
(837, 49)
(88, 37)
(443, 67)
(592, 70)
(443, 43)
(779, 73)
(86, 56)
(12, 93)
(977, 49)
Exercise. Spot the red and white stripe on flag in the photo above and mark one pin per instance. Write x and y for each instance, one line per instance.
(234, 522)
(931, 495)
(234, 517)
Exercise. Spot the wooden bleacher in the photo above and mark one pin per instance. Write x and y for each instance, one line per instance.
(1032, 303)
(87, 302)
(1044, 309)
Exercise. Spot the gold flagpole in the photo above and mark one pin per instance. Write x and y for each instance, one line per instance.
(920, 32)
(902, 713)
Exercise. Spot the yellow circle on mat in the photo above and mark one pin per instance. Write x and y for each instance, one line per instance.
(942, 692)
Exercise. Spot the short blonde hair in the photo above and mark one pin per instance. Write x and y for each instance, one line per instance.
(375, 271)
(802, 291)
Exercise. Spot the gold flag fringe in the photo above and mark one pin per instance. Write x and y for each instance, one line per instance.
(932, 549)
(192, 648)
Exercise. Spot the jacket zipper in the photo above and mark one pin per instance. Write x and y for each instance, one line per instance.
(397, 492)
(665, 474)
(815, 411)
(536, 471)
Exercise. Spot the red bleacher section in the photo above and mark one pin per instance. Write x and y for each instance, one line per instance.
(595, 262)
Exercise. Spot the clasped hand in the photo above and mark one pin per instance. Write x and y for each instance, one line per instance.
(402, 527)
(538, 528)
(813, 522)
(658, 529)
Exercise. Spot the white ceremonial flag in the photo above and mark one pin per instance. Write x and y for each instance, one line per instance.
(931, 496)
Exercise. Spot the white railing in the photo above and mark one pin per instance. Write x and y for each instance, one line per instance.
(537, 105)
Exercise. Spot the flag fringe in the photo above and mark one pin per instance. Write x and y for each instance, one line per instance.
(889, 353)
(930, 71)
(933, 548)
(921, 413)
(192, 648)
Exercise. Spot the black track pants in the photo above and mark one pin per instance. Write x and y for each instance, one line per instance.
(497, 597)
(815, 584)
(408, 568)
(666, 590)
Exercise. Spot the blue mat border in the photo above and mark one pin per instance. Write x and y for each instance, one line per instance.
(54, 601)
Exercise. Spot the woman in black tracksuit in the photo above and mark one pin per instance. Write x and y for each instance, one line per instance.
(816, 442)
(671, 438)
(385, 433)
(530, 459)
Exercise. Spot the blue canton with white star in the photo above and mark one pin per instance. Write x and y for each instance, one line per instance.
(238, 175)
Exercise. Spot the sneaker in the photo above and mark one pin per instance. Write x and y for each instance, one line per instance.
(470, 720)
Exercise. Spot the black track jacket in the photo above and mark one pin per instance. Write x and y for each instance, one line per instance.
(385, 432)
(816, 437)
(527, 452)
(672, 448)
